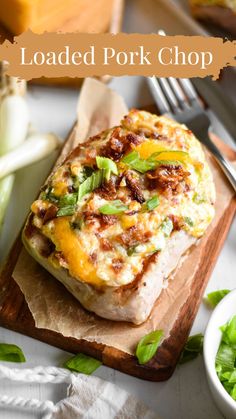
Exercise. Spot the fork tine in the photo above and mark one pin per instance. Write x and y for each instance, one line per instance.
(190, 91)
(169, 93)
(158, 95)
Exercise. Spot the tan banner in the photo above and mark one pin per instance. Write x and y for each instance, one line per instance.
(78, 55)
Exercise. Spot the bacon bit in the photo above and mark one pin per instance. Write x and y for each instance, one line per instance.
(134, 236)
(105, 244)
(117, 264)
(176, 222)
(107, 220)
(50, 213)
(119, 144)
(168, 177)
(91, 154)
(109, 189)
(134, 186)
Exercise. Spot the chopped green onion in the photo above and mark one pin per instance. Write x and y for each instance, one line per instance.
(229, 332)
(167, 227)
(213, 298)
(148, 345)
(65, 211)
(91, 183)
(233, 392)
(68, 199)
(11, 353)
(107, 165)
(131, 157)
(82, 363)
(140, 165)
(225, 357)
(152, 203)
(115, 207)
(189, 221)
(192, 348)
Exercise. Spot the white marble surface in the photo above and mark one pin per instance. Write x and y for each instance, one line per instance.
(186, 394)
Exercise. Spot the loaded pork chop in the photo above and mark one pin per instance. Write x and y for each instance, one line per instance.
(114, 219)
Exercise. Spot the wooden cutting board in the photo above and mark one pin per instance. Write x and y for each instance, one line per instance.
(15, 315)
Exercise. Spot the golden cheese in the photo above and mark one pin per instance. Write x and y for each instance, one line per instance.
(67, 242)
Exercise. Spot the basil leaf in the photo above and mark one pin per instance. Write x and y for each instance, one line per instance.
(91, 183)
(82, 363)
(167, 227)
(106, 164)
(66, 211)
(115, 207)
(152, 203)
(148, 345)
(213, 298)
(68, 199)
(233, 392)
(192, 348)
(11, 353)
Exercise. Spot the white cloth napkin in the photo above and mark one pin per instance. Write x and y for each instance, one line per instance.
(93, 398)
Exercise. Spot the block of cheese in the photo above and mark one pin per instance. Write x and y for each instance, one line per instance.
(219, 12)
(50, 15)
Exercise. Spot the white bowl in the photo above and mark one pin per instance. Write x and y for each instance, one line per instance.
(221, 315)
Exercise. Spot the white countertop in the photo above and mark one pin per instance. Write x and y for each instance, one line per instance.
(186, 394)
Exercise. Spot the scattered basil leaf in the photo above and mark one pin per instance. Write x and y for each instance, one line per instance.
(167, 227)
(192, 348)
(152, 203)
(66, 211)
(11, 353)
(91, 183)
(148, 345)
(68, 200)
(213, 298)
(82, 363)
(114, 207)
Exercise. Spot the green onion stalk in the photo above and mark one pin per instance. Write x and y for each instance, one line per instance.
(14, 122)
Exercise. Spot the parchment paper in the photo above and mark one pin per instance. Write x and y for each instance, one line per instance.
(54, 308)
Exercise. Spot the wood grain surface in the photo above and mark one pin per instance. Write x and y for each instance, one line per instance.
(15, 315)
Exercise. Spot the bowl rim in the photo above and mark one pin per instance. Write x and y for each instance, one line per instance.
(210, 366)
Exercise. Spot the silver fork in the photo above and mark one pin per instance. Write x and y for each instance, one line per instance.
(179, 99)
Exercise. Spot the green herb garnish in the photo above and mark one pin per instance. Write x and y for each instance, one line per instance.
(189, 221)
(167, 227)
(66, 211)
(213, 298)
(148, 345)
(68, 200)
(225, 362)
(192, 348)
(134, 161)
(152, 203)
(82, 363)
(107, 165)
(11, 353)
(114, 207)
(91, 183)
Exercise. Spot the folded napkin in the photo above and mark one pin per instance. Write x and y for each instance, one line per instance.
(93, 398)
